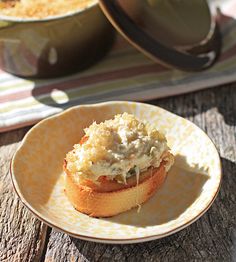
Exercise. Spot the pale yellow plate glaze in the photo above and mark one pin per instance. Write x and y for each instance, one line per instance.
(188, 192)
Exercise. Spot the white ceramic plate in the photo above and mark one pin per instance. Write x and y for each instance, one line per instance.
(188, 192)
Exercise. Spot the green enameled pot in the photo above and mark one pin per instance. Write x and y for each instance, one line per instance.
(54, 46)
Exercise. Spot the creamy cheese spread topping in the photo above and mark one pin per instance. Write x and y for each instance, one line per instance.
(117, 148)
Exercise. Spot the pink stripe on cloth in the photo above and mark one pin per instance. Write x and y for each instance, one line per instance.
(87, 80)
(19, 125)
(148, 80)
(101, 77)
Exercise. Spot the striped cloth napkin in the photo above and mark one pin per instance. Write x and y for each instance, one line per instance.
(124, 74)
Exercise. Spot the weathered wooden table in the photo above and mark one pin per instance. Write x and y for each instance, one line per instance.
(211, 238)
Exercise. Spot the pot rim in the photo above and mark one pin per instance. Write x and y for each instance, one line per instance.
(5, 18)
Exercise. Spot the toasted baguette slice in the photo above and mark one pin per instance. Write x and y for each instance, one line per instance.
(110, 198)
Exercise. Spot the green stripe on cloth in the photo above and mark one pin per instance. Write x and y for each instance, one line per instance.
(124, 73)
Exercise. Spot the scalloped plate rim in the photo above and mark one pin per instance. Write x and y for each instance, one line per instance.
(102, 239)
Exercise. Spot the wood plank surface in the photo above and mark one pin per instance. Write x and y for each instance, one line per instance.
(22, 236)
(211, 238)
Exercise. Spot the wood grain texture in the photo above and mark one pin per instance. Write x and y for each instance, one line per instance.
(212, 237)
(22, 236)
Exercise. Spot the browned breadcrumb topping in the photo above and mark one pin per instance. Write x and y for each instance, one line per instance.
(41, 8)
(115, 147)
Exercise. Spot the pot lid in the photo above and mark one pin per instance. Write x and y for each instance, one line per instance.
(177, 33)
